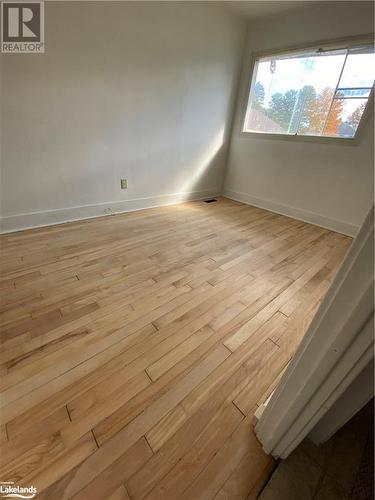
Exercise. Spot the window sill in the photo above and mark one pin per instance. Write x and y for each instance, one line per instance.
(347, 141)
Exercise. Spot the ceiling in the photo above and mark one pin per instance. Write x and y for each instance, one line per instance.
(256, 9)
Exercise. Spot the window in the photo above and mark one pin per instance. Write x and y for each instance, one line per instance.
(315, 93)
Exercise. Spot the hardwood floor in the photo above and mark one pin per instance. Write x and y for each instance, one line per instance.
(136, 348)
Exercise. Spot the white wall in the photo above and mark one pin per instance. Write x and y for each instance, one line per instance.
(329, 184)
(136, 90)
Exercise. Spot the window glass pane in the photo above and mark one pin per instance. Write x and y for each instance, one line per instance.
(319, 87)
(274, 94)
(258, 121)
(344, 117)
(359, 69)
(290, 88)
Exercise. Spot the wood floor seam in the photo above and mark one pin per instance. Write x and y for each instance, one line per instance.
(135, 348)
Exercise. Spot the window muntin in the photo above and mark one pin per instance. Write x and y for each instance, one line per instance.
(317, 93)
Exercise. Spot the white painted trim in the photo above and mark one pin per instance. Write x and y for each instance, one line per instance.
(294, 212)
(18, 222)
(335, 349)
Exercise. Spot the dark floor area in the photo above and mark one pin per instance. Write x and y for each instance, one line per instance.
(340, 469)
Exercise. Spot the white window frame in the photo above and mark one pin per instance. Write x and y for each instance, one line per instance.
(347, 43)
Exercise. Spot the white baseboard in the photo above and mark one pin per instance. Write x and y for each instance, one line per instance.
(19, 222)
(295, 213)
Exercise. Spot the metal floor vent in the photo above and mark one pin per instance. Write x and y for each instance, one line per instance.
(210, 201)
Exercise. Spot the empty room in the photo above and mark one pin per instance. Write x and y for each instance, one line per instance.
(187, 238)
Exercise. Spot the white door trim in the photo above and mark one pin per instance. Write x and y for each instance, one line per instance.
(336, 348)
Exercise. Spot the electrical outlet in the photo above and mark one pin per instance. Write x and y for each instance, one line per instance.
(124, 183)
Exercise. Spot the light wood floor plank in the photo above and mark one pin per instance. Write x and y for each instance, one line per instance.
(134, 349)
(241, 444)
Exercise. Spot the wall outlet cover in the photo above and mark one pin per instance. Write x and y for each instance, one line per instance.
(124, 184)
